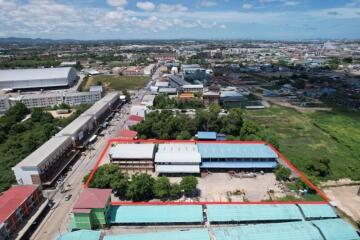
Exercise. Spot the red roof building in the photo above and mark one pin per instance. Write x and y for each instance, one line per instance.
(91, 209)
(93, 198)
(17, 204)
(127, 134)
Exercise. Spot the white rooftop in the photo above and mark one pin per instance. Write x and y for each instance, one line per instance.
(178, 153)
(34, 74)
(132, 151)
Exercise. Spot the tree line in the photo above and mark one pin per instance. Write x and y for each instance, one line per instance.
(141, 186)
(166, 125)
(162, 101)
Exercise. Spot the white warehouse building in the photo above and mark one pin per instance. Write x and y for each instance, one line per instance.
(37, 78)
(177, 158)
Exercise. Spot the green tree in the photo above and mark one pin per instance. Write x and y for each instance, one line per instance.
(162, 188)
(140, 187)
(188, 185)
(175, 191)
(282, 173)
(127, 96)
(319, 168)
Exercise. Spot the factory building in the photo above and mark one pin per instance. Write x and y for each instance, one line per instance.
(37, 78)
(133, 157)
(17, 204)
(177, 159)
(223, 156)
(47, 162)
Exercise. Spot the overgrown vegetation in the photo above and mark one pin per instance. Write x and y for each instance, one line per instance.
(141, 186)
(19, 138)
(115, 82)
(166, 125)
(162, 101)
(322, 144)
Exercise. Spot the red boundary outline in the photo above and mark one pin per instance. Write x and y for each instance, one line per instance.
(290, 165)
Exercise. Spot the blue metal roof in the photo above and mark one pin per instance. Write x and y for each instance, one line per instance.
(206, 135)
(233, 150)
(275, 231)
(247, 165)
(312, 211)
(156, 214)
(80, 235)
(251, 212)
(336, 229)
(193, 234)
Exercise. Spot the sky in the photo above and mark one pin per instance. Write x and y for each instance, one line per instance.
(181, 19)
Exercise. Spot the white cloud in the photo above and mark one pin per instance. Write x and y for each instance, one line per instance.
(291, 3)
(172, 8)
(208, 3)
(247, 6)
(146, 6)
(117, 3)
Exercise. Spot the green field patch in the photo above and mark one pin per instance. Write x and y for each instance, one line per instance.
(305, 138)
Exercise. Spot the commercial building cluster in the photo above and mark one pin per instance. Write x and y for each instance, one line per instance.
(47, 162)
(192, 158)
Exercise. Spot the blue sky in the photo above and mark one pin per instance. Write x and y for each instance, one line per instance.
(171, 19)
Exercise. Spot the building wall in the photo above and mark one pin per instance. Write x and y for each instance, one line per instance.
(82, 220)
(42, 101)
(4, 104)
(81, 98)
(23, 212)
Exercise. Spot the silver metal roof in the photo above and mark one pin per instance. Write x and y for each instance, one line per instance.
(45, 151)
(178, 153)
(78, 124)
(34, 74)
(132, 151)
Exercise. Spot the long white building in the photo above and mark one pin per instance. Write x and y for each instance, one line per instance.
(50, 159)
(37, 78)
(177, 158)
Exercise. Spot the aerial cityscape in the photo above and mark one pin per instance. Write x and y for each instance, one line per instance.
(179, 120)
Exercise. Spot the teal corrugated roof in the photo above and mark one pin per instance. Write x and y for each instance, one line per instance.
(257, 164)
(253, 212)
(275, 231)
(233, 150)
(195, 234)
(206, 135)
(317, 211)
(80, 235)
(336, 229)
(156, 214)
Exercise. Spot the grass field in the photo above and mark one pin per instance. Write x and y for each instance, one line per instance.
(116, 82)
(308, 137)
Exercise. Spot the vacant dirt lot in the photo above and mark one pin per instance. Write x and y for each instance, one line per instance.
(347, 200)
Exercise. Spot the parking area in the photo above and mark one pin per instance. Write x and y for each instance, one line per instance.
(216, 187)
